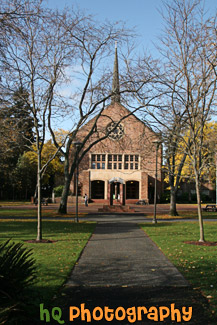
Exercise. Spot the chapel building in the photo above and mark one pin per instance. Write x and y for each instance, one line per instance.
(120, 169)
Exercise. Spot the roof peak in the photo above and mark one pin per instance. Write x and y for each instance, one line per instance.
(115, 83)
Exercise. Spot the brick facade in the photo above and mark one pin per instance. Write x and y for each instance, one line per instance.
(122, 164)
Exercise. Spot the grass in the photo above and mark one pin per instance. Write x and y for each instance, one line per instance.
(14, 203)
(186, 215)
(54, 260)
(198, 264)
(14, 209)
(22, 213)
(32, 212)
(194, 214)
(189, 215)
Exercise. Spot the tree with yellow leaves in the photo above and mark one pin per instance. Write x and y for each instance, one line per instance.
(25, 172)
(207, 155)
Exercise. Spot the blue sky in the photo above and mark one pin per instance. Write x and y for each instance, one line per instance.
(144, 15)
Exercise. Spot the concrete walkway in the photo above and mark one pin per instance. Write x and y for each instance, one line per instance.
(121, 254)
(120, 268)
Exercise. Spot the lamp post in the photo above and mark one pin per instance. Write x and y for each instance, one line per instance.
(77, 144)
(157, 144)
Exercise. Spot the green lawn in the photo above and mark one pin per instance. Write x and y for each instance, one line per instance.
(10, 213)
(19, 212)
(188, 215)
(14, 203)
(16, 211)
(198, 264)
(54, 260)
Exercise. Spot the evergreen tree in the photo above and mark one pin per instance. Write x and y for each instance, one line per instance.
(16, 135)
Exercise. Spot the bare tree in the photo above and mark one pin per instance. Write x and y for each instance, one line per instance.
(170, 115)
(48, 51)
(95, 43)
(190, 57)
(164, 113)
(36, 55)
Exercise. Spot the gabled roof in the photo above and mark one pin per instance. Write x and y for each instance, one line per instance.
(116, 98)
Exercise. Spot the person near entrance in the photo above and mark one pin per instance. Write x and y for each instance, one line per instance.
(86, 200)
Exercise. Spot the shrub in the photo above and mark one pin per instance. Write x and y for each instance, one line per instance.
(17, 273)
(58, 190)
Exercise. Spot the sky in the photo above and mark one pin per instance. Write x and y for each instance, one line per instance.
(144, 15)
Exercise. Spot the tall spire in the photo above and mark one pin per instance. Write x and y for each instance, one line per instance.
(115, 84)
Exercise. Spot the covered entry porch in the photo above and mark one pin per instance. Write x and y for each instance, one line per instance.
(115, 191)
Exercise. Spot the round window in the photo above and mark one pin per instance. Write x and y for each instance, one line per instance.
(115, 132)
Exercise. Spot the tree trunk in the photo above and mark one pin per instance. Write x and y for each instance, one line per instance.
(200, 218)
(39, 227)
(173, 211)
(173, 190)
(36, 190)
(68, 177)
(64, 197)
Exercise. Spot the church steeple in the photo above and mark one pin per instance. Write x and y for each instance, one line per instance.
(115, 84)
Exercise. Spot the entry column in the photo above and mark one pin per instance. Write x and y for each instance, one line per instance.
(106, 190)
(110, 193)
(122, 193)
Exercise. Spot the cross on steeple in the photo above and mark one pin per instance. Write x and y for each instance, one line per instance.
(115, 98)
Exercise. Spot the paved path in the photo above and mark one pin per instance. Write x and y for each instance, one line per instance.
(121, 254)
(122, 268)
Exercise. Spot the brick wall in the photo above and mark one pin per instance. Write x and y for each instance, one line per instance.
(137, 139)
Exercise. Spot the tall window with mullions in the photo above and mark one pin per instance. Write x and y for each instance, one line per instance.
(98, 161)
